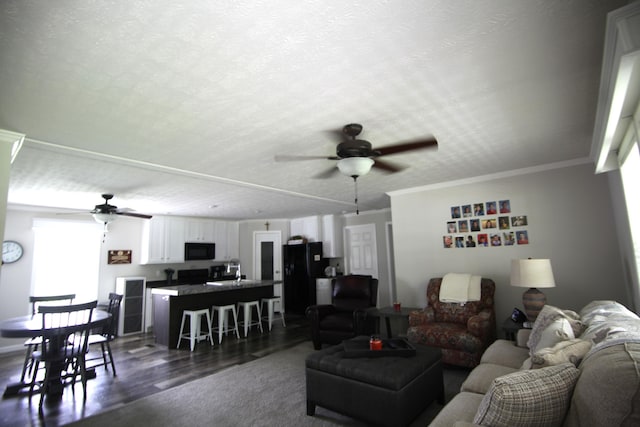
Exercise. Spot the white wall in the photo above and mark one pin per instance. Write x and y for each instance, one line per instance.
(570, 221)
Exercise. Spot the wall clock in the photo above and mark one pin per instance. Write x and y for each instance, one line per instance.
(11, 251)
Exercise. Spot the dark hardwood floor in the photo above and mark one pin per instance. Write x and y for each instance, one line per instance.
(143, 369)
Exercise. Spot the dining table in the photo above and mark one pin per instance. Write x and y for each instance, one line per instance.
(32, 326)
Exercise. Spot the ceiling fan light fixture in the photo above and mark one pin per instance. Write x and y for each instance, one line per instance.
(103, 218)
(355, 166)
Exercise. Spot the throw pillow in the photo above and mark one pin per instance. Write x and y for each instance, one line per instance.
(538, 397)
(572, 351)
(557, 331)
(547, 315)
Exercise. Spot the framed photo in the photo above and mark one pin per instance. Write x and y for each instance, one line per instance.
(496, 240)
(522, 237)
(455, 212)
(475, 224)
(466, 211)
(491, 208)
(119, 256)
(489, 223)
(459, 242)
(483, 240)
(447, 242)
(478, 209)
(463, 226)
(503, 222)
(451, 227)
(505, 206)
(509, 238)
(470, 243)
(519, 221)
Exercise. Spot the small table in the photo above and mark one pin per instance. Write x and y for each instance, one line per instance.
(31, 326)
(388, 313)
(511, 328)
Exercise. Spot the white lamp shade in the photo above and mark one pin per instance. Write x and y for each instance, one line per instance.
(355, 166)
(532, 273)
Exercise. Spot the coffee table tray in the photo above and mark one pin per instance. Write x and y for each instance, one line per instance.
(394, 347)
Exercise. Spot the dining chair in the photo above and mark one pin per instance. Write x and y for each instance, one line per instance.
(32, 343)
(65, 332)
(109, 332)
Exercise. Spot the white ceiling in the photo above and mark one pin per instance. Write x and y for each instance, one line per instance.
(179, 106)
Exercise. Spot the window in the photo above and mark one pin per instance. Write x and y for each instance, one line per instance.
(66, 258)
(630, 172)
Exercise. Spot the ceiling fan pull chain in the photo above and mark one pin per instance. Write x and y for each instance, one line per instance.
(355, 181)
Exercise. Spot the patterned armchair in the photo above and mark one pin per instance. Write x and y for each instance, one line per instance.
(463, 332)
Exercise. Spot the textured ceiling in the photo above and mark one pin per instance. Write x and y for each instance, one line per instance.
(180, 106)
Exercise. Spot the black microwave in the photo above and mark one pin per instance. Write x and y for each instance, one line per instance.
(199, 251)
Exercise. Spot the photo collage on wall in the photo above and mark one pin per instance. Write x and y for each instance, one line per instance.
(485, 224)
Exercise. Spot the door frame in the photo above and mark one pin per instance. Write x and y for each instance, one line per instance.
(276, 238)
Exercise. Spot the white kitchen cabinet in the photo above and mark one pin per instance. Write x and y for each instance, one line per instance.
(200, 230)
(227, 240)
(163, 240)
(332, 243)
(308, 227)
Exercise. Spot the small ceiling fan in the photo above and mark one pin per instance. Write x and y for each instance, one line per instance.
(105, 213)
(356, 156)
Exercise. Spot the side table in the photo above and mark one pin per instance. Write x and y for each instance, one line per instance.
(388, 312)
(511, 328)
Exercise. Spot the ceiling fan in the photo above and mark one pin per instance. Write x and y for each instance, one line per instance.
(356, 156)
(105, 213)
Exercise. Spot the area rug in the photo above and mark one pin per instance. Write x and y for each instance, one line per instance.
(269, 391)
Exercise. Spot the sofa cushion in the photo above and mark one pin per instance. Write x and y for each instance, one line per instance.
(480, 379)
(565, 351)
(608, 390)
(461, 408)
(505, 353)
(537, 397)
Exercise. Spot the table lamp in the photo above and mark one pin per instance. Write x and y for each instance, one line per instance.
(532, 274)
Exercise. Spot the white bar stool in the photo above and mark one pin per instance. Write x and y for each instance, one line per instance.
(223, 320)
(246, 321)
(271, 304)
(194, 327)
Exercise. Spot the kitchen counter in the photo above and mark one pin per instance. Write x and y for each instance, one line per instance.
(170, 301)
(216, 286)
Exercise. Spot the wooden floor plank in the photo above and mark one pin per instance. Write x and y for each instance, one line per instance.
(144, 369)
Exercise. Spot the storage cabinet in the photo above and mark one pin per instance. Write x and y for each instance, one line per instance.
(227, 240)
(163, 240)
(200, 230)
(132, 308)
(332, 243)
(308, 227)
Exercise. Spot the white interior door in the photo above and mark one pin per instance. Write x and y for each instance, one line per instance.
(362, 256)
(267, 258)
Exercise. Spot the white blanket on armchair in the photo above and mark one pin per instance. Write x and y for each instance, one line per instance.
(460, 288)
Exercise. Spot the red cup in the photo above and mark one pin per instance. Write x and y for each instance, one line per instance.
(375, 344)
(397, 306)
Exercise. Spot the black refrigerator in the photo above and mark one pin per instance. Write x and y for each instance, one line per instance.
(302, 265)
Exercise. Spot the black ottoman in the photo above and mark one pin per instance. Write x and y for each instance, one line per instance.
(389, 391)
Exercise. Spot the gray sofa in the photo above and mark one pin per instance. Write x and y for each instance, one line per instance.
(570, 369)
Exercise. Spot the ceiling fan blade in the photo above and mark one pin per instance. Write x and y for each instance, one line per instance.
(388, 167)
(293, 158)
(133, 214)
(407, 146)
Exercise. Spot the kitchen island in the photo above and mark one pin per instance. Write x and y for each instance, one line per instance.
(170, 301)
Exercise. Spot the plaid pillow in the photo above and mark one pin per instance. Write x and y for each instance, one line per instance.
(537, 397)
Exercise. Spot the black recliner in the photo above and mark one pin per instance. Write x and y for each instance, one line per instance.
(347, 316)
